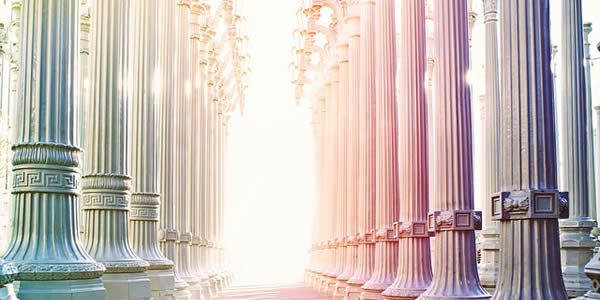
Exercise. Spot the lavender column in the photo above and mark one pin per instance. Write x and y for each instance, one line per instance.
(453, 219)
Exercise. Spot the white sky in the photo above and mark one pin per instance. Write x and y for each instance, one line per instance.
(271, 188)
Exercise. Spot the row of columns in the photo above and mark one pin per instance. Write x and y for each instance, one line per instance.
(378, 243)
(154, 103)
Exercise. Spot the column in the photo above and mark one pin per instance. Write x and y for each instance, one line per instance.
(587, 29)
(490, 254)
(182, 179)
(575, 239)
(198, 54)
(327, 223)
(169, 116)
(529, 205)
(452, 217)
(352, 26)
(211, 146)
(414, 264)
(366, 151)
(46, 164)
(333, 195)
(386, 152)
(145, 199)
(204, 160)
(343, 170)
(106, 182)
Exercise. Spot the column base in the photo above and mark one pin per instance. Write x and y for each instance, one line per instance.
(340, 287)
(127, 286)
(576, 251)
(371, 295)
(194, 287)
(329, 285)
(352, 292)
(206, 294)
(402, 294)
(87, 289)
(7, 293)
(162, 283)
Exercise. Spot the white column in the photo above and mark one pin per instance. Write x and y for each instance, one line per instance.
(106, 182)
(490, 254)
(386, 152)
(452, 217)
(414, 264)
(198, 77)
(529, 204)
(145, 200)
(575, 239)
(46, 164)
(594, 190)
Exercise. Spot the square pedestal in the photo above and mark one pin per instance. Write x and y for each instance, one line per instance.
(127, 286)
(86, 289)
(162, 283)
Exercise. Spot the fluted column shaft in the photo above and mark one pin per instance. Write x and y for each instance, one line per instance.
(414, 265)
(106, 185)
(386, 152)
(343, 171)
(366, 141)
(352, 23)
(452, 218)
(340, 168)
(46, 172)
(576, 241)
(490, 254)
(529, 172)
(333, 191)
(182, 133)
(587, 29)
(145, 200)
(198, 53)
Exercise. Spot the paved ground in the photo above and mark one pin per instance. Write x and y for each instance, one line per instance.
(279, 292)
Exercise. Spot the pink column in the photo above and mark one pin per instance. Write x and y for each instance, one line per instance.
(386, 160)
(352, 24)
(414, 266)
(333, 198)
(342, 121)
(366, 153)
(453, 219)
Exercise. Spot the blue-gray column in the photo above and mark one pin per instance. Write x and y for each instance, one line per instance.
(529, 204)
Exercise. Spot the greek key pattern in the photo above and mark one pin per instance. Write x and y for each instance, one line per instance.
(28, 180)
(105, 201)
(137, 213)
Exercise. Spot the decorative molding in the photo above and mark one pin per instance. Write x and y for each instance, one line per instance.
(59, 271)
(454, 220)
(46, 179)
(531, 204)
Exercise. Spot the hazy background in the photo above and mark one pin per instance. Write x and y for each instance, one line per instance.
(271, 182)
